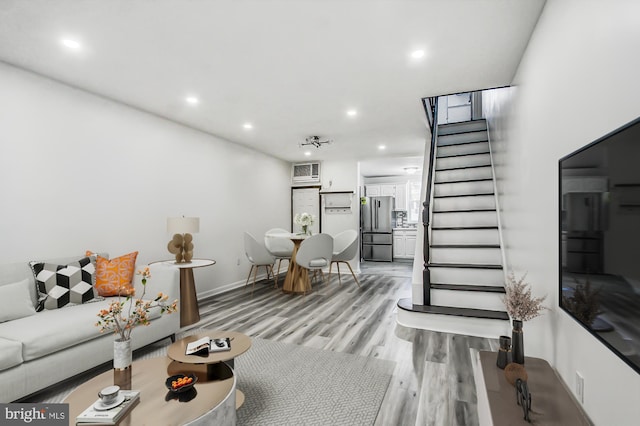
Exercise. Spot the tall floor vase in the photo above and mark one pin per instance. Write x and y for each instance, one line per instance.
(517, 348)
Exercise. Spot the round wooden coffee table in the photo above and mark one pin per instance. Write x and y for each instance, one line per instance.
(210, 400)
(210, 366)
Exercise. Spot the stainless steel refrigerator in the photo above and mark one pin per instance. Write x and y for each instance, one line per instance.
(376, 229)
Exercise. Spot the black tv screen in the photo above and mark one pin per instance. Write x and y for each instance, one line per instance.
(600, 239)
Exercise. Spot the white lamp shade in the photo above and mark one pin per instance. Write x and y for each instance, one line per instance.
(183, 225)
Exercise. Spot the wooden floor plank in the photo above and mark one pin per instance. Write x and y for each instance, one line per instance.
(432, 383)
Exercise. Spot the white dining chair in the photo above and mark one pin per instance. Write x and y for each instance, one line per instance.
(314, 254)
(258, 255)
(277, 241)
(345, 248)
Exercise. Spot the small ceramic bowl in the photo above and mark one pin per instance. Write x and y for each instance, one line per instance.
(181, 389)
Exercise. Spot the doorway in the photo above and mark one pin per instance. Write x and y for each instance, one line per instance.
(306, 200)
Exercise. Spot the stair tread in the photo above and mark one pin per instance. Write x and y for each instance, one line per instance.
(464, 211)
(464, 195)
(463, 167)
(443, 145)
(446, 137)
(407, 305)
(464, 181)
(481, 121)
(457, 228)
(462, 155)
(468, 287)
(465, 265)
(492, 246)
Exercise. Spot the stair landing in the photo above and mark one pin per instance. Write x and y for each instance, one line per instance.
(470, 322)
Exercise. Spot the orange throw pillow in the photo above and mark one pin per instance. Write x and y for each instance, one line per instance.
(114, 277)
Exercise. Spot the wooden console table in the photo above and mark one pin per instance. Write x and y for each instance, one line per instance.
(551, 403)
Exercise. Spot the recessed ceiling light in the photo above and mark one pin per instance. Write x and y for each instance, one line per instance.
(417, 54)
(247, 126)
(192, 100)
(71, 44)
(352, 113)
(382, 147)
(307, 153)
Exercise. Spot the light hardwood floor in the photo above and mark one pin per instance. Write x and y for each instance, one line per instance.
(433, 380)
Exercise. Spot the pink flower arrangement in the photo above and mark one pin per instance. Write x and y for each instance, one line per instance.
(137, 313)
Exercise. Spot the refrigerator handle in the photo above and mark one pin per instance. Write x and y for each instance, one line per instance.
(375, 209)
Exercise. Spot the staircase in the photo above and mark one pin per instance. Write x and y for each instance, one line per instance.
(465, 261)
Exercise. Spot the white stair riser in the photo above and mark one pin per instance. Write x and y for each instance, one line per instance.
(470, 148)
(469, 126)
(453, 324)
(475, 173)
(468, 161)
(483, 256)
(467, 299)
(465, 219)
(463, 188)
(458, 138)
(465, 203)
(471, 276)
(465, 236)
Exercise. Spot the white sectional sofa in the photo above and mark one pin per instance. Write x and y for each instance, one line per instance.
(39, 350)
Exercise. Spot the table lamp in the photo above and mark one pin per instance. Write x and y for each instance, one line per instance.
(181, 245)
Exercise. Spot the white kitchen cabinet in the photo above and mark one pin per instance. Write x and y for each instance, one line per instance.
(388, 189)
(401, 197)
(404, 243)
(372, 190)
(410, 243)
(398, 245)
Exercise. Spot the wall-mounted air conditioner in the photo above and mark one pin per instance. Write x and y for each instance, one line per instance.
(305, 173)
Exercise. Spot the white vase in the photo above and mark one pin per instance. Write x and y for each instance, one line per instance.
(122, 357)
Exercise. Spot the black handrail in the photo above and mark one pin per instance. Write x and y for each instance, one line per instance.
(428, 109)
(432, 116)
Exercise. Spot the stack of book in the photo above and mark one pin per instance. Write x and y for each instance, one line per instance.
(95, 414)
(206, 345)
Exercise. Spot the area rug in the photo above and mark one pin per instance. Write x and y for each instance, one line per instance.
(287, 384)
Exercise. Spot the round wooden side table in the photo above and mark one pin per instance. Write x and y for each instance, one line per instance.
(189, 312)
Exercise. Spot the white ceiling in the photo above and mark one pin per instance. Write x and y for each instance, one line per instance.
(291, 68)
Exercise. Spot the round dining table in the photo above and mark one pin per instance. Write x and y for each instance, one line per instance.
(297, 280)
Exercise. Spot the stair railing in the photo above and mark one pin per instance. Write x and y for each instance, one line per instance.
(431, 109)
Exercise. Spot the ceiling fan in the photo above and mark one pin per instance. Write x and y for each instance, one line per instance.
(316, 141)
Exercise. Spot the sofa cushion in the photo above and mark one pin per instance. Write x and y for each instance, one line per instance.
(10, 353)
(114, 276)
(59, 285)
(16, 301)
(52, 330)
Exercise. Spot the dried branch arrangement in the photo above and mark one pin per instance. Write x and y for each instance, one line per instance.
(518, 300)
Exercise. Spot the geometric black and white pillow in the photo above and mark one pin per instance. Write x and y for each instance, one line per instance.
(60, 285)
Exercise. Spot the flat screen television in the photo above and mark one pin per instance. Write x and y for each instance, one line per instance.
(600, 239)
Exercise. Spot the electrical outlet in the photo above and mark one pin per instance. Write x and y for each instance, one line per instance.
(579, 387)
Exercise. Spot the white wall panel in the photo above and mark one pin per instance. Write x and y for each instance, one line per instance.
(577, 81)
(81, 172)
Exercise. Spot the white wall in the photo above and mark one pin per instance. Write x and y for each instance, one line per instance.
(578, 80)
(341, 176)
(81, 172)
